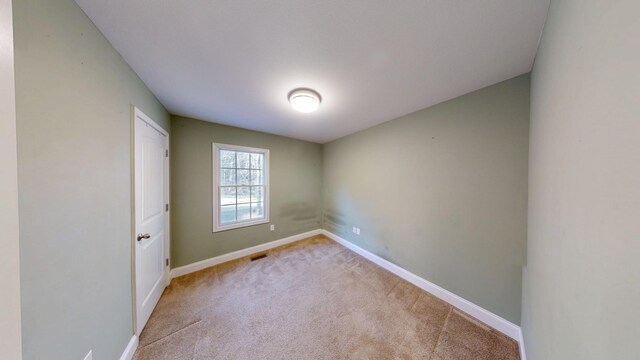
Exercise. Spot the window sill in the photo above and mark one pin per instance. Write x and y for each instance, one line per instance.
(238, 225)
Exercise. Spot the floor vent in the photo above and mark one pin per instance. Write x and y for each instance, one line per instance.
(258, 257)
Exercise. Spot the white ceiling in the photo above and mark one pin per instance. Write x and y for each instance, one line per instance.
(234, 61)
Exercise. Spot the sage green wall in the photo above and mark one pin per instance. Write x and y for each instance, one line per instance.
(74, 94)
(295, 185)
(442, 193)
(582, 284)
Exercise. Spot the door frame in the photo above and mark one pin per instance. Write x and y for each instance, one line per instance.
(10, 318)
(136, 113)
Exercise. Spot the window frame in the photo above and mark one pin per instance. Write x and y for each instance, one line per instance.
(217, 226)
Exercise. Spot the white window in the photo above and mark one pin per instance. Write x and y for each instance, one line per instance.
(240, 186)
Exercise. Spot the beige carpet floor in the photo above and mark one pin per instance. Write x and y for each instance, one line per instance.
(313, 299)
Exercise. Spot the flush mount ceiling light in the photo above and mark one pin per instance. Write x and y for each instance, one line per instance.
(304, 100)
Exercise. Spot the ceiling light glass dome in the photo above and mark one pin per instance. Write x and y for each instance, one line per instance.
(304, 100)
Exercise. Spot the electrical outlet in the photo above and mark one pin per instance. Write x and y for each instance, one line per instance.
(357, 231)
(89, 355)
(273, 228)
(354, 230)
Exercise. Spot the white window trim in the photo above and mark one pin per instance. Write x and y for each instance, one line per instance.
(216, 181)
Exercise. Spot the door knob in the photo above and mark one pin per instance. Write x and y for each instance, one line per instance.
(145, 236)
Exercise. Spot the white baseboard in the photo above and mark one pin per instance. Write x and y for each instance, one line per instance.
(187, 269)
(131, 348)
(523, 352)
(487, 317)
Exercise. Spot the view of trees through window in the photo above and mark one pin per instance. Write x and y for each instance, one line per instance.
(241, 186)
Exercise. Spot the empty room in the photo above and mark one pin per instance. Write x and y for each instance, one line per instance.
(297, 179)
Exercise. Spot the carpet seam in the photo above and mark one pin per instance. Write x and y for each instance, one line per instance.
(175, 332)
(392, 288)
(415, 302)
(446, 320)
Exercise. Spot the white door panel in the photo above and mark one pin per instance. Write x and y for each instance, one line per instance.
(151, 268)
(151, 215)
(152, 177)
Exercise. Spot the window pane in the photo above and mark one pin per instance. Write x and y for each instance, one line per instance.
(243, 160)
(243, 177)
(227, 159)
(257, 210)
(227, 195)
(241, 186)
(256, 177)
(243, 194)
(244, 212)
(227, 214)
(227, 177)
(257, 194)
(256, 161)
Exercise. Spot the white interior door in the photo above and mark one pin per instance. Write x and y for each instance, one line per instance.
(151, 215)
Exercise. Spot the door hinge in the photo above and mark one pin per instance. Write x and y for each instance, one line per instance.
(166, 207)
(166, 262)
(166, 153)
